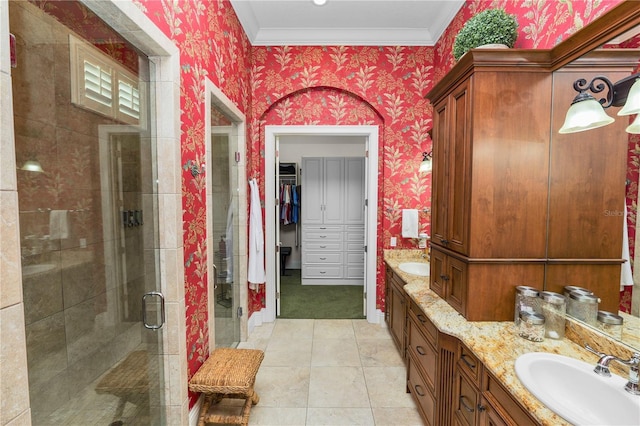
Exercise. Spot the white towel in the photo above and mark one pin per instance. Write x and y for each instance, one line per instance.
(58, 224)
(256, 273)
(626, 277)
(410, 223)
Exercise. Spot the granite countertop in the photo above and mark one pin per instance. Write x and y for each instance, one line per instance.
(496, 344)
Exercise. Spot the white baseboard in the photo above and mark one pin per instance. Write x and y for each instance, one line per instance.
(194, 413)
(258, 318)
(255, 320)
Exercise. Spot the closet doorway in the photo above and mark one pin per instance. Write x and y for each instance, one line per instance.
(291, 146)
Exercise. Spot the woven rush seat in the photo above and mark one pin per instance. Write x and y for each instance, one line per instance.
(129, 381)
(227, 373)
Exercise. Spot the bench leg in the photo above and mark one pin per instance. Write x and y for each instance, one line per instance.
(204, 410)
(254, 397)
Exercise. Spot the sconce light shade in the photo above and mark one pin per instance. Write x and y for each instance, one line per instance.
(427, 163)
(32, 166)
(632, 106)
(585, 113)
(635, 126)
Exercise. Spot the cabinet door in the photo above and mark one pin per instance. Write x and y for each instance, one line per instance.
(440, 183)
(333, 193)
(448, 279)
(398, 315)
(354, 190)
(312, 187)
(456, 284)
(459, 172)
(438, 272)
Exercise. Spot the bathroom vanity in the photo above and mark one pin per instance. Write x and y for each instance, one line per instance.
(461, 372)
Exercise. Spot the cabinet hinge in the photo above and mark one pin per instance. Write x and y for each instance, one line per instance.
(366, 202)
(239, 311)
(277, 295)
(365, 249)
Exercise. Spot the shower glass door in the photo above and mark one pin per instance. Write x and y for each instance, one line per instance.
(87, 194)
(224, 202)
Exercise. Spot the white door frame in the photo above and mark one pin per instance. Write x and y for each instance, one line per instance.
(215, 97)
(371, 237)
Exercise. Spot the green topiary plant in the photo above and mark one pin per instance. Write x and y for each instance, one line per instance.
(492, 26)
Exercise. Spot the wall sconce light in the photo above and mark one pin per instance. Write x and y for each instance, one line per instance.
(427, 162)
(586, 113)
(32, 165)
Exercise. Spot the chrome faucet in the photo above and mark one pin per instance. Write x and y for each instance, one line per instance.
(602, 368)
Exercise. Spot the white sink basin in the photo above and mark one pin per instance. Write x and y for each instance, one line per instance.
(571, 389)
(37, 269)
(415, 268)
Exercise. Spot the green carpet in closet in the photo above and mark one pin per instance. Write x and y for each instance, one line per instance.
(318, 301)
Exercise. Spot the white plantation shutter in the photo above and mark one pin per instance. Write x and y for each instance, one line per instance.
(98, 83)
(128, 98)
(102, 85)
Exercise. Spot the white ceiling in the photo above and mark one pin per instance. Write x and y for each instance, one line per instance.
(345, 22)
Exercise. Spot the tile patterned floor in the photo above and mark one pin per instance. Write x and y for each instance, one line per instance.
(329, 372)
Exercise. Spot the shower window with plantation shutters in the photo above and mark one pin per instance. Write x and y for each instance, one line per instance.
(100, 84)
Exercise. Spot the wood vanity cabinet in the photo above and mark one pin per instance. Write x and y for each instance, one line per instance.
(396, 312)
(467, 379)
(513, 202)
(430, 361)
(479, 400)
(498, 407)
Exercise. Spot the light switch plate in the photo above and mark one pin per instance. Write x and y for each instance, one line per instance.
(394, 241)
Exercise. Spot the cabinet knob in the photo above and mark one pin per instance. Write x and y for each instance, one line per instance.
(418, 390)
(421, 318)
(420, 350)
(481, 408)
(444, 277)
(444, 241)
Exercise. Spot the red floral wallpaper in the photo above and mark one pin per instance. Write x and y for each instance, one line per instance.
(327, 85)
(331, 85)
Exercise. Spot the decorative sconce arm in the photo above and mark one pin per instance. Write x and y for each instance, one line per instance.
(581, 86)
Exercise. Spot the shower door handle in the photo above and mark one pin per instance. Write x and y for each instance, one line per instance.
(215, 276)
(160, 297)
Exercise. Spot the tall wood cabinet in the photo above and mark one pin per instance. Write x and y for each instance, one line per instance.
(513, 202)
(332, 220)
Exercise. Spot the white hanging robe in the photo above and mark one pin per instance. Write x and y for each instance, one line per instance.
(256, 273)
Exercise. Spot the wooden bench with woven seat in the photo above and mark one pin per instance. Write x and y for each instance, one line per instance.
(227, 373)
